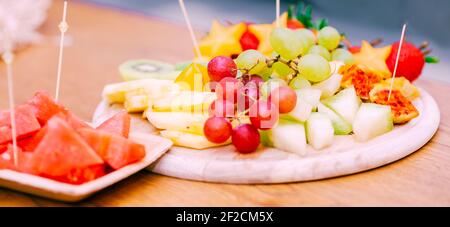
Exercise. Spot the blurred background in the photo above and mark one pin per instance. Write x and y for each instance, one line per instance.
(359, 19)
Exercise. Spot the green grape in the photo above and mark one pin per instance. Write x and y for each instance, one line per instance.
(307, 37)
(320, 50)
(285, 42)
(266, 73)
(314, 67)
(251, 60)
(299, 83)
(342, 55)
(329, 38)
(269, 85)
(281, 70)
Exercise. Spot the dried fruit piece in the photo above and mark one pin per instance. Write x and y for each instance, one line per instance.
(361, 78)
(402, 109)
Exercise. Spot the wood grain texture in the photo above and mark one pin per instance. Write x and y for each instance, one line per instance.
(102, 39)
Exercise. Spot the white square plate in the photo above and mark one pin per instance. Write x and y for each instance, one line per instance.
(155, 147)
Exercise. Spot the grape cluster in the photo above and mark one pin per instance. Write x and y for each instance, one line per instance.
(259, 88)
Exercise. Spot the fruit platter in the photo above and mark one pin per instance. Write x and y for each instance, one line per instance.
(287, 101)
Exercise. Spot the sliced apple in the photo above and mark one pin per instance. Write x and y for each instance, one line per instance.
(346, 103)
(190, 140)
(186, 101)
(319, 131)
(371, 121)
(329, 86)
(178, 121)
(341, 127)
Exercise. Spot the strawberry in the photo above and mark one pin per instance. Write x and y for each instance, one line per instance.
(294, 24)
(411, 61)
(248, 40)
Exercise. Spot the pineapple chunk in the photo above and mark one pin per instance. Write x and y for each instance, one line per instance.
(155, 89)
(190, 140)
(186, 101)
(136, 103)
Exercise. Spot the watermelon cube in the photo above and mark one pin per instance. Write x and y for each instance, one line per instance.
(62, 154)
(118, 124)
(26, 123)
(44, 107)
(115, 150)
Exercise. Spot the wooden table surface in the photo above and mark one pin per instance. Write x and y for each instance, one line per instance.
(103, 38)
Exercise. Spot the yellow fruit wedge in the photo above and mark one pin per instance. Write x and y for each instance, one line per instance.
(136, 103)
(154, 88)
(185, 101)
(374, 58)
(178, 121)
(190, 140)
(222, 40)
(193, 78)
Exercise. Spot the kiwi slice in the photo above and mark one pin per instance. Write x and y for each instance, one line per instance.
(144, 69)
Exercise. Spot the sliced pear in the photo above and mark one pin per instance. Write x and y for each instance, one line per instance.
(307, 101)
(190, 140)
(186, 101)
(289, 136)
(319, 131)
(346, 103)
(329, 86)
(371, 121)
(179, 121)
(341, 127)
(154, 88)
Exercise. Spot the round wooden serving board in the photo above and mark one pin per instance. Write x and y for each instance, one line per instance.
(268, 165)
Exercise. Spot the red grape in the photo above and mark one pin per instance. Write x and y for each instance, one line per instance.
(264, 114)
(245, 138)
(217, 129)
(221, 67)
(284, 97)
(253, 79)
(221, 108)
(248, 95)
(227, 89)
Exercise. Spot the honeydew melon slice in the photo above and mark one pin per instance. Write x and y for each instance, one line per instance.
(287, 135)
(371, 121)
(346, 103)
(319, 131)
(341, 127)
(307, 101)
(329, 86)
(185, 101)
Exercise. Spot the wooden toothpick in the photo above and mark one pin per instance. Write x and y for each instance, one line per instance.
(191, 31)
(63, 27)
(277, 11)
(396, 60)
(8, 58)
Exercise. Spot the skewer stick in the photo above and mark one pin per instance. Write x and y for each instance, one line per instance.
(396, 60)
(191, 31)
(8, 58)
(63, 27)
(277, 11)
